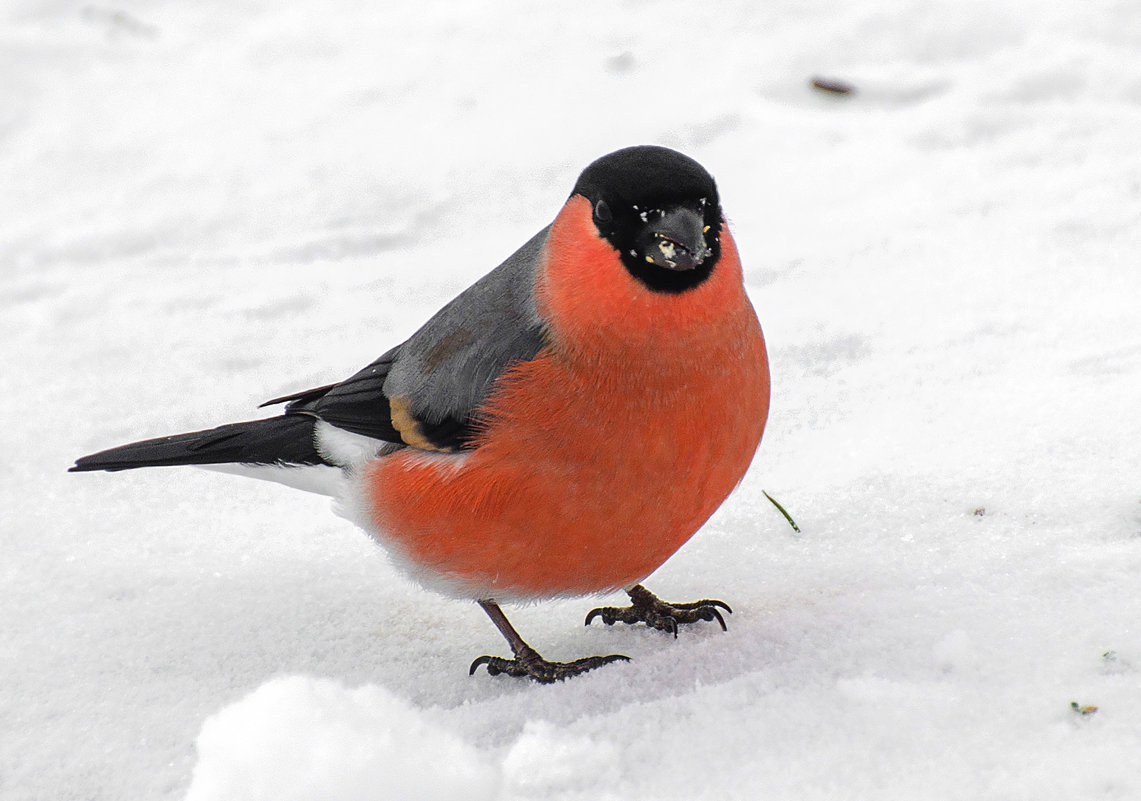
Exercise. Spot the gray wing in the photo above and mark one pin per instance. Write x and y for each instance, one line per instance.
(427, 391)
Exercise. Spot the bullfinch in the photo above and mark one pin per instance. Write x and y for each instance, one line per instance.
(559, 429)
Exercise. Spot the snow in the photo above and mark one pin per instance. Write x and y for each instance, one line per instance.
(366, 743)
(208, 205)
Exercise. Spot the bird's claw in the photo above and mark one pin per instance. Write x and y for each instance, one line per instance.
(647, 608)
(529, 664)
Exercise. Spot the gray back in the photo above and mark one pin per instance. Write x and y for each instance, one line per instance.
(446, 369)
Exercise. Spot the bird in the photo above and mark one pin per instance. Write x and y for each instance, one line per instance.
(559, 429)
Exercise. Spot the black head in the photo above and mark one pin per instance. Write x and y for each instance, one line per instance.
(660, 211)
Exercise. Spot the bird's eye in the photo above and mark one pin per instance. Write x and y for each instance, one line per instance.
(602, 212)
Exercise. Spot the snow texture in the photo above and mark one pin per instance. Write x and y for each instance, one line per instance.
(333, 743)
(206, 205)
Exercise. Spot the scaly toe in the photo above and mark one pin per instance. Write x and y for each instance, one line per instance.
(658, 614)
(538, 669)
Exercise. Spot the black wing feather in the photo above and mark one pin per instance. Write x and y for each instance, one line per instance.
(357, 404)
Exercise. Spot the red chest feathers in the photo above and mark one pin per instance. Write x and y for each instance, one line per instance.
(633, 425)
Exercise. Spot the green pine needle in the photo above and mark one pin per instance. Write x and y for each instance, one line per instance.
(780, 509)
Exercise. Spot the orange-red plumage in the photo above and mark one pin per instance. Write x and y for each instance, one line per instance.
(603, 455)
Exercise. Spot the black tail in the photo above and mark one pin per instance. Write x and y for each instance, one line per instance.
(279, 440)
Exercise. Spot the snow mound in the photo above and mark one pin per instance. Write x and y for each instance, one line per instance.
(300, 738)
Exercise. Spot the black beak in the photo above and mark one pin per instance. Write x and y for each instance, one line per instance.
(675, 240)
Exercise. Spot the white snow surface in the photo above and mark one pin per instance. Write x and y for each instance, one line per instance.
(209, 204)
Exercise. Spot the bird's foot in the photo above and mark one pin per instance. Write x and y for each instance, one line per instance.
(648, 608)
(528, 663)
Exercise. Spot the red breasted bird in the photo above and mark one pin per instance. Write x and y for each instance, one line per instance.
(561, 428)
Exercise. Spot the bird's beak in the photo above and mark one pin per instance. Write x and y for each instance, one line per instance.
(675, 240)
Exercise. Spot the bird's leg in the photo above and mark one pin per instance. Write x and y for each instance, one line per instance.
(648, 608)
(527, 661)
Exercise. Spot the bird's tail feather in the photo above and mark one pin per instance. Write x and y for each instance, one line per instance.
(285, 440)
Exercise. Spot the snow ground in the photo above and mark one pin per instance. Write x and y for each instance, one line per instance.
(206, 205)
